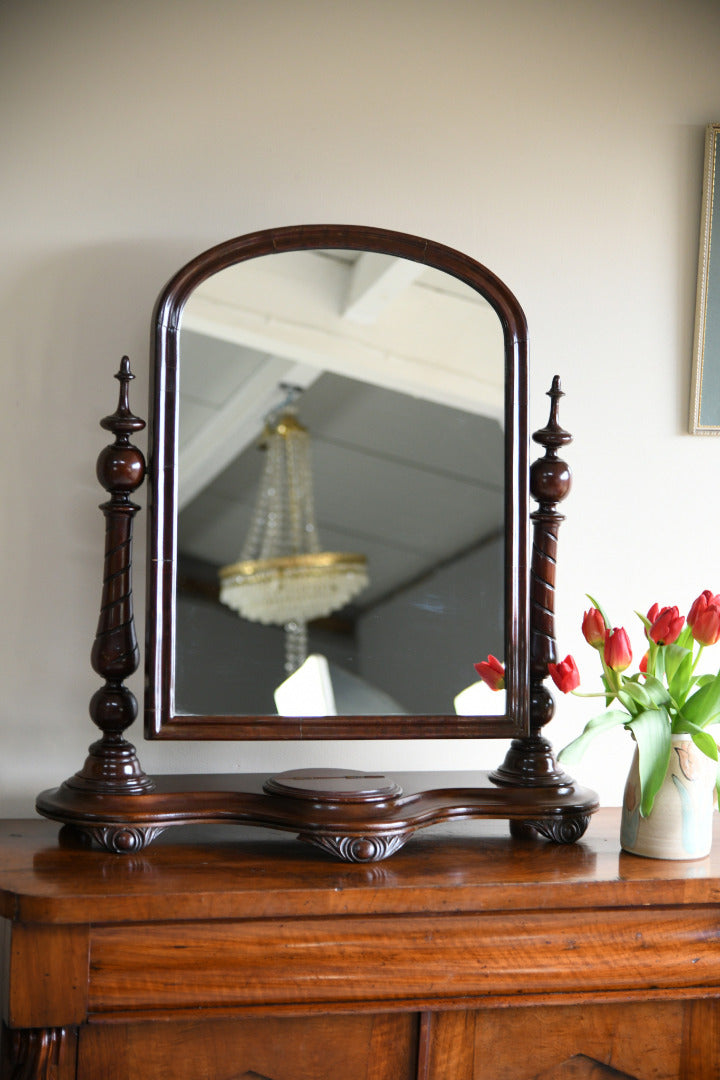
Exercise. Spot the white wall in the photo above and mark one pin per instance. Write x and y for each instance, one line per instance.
(559, 142)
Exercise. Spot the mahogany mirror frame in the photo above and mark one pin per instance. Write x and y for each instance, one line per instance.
(161, 721)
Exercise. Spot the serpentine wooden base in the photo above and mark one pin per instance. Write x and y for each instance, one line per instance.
(355, 816)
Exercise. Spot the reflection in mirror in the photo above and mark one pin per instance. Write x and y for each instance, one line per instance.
(397, 374)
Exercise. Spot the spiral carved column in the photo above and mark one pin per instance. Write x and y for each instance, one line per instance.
(549, 484)
(530, 759)
(112, 766)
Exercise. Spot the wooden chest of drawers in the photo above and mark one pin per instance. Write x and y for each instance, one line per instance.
(224, 954)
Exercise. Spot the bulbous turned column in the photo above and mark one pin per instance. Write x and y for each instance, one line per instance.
(531, 760)
(550, 482)
(112, 766)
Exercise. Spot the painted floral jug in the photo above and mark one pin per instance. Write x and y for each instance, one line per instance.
(679, 826)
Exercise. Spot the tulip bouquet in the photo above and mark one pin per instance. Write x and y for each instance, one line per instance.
(665, 697)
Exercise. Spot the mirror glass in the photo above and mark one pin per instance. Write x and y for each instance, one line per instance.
(397, 372)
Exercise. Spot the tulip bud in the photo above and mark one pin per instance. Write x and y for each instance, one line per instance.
(666, 624)
(492, 672)
(706, 622)
(593, 628)
(565, 675)
(644, 663)
(704, 618)
(618, 654)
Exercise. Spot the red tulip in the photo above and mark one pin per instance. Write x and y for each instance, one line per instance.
(492, 672)
(666, 625)
(644, 663)
(593, 628)
(565, 675)
(704, 618)
(618, 654)
(705, 598)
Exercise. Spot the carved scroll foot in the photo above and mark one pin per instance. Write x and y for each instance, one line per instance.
(37, 1054)
(561, 830)
(358, 849)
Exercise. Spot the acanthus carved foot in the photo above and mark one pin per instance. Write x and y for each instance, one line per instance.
(358, 849)
(562, 830)
(123, 839)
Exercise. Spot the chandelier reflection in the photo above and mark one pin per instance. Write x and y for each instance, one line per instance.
(283, 577)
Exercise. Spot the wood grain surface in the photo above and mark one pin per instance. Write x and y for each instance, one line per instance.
(471, 955)
(221, 872)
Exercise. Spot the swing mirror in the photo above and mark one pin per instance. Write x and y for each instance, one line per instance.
(338, 472)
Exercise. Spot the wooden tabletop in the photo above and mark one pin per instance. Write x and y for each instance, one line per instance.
(216, 872)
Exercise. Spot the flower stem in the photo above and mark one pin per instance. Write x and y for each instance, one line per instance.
(597, 693)
(695, 661)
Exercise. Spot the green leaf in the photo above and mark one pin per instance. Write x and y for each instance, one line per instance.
(651, 730)
(679, 681)
(657, 657)
(705, 742)
(638, 693)
(609, 692)
(630, 703)
(656, 691)
(674, 656)
(704, 706)
(575, 750)
(702, 739)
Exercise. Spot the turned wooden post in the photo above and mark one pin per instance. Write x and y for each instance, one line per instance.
(112, 766)
(530, 759)
(550, 482)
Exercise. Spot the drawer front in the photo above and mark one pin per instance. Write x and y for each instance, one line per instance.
(153, 969)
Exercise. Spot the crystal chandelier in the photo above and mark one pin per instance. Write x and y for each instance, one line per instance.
(282, 577)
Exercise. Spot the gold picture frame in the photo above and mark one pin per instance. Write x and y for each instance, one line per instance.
(705, 385)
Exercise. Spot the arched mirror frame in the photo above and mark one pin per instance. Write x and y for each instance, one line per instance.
(160, 718)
